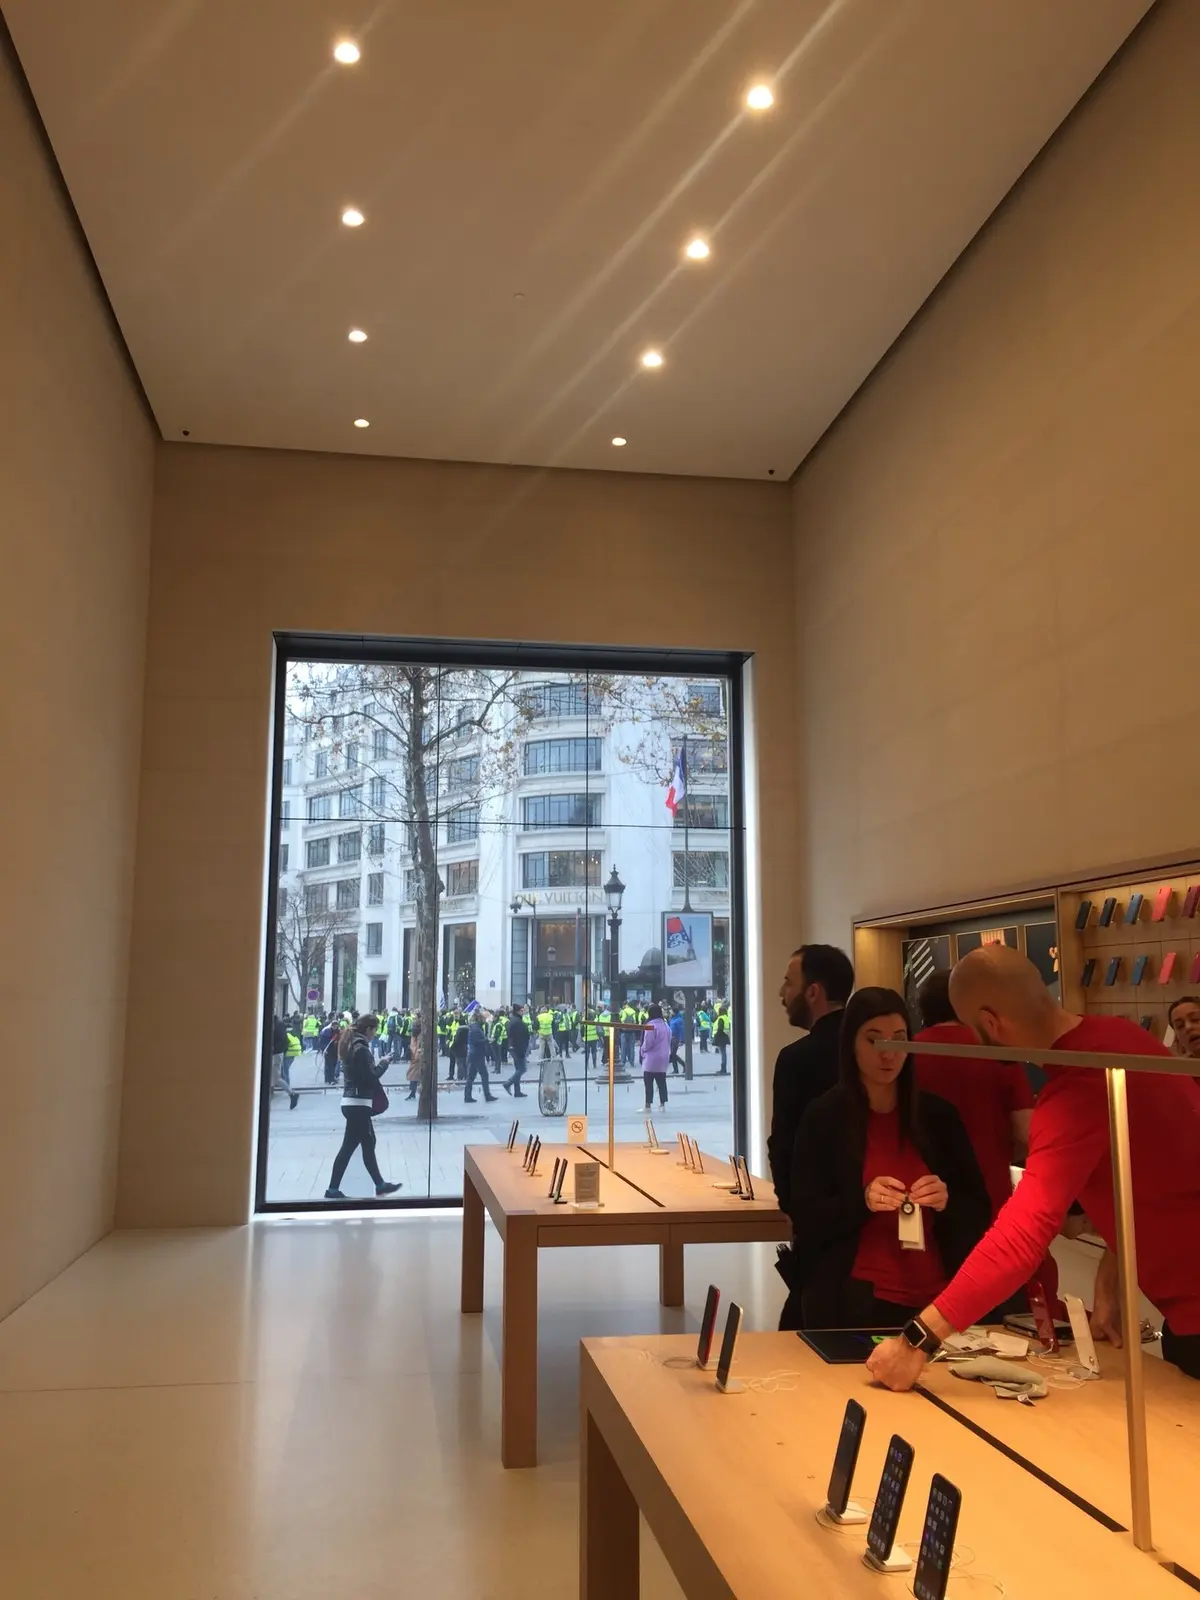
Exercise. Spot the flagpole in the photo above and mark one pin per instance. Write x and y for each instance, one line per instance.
(687, 874)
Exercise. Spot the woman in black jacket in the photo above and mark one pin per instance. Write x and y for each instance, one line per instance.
(868, 1149)
(360, 1080)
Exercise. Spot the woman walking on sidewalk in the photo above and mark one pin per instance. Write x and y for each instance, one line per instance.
(360, 1087)
(655, 1052)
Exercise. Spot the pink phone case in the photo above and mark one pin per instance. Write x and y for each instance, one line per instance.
(1194, 972)
(1161, 901)
(1168, 966)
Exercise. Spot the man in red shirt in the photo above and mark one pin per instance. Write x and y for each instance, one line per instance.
(1001, 995)
(993, 1098)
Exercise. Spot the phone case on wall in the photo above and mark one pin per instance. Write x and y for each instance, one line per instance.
(1106, 911)
(1082, 915)
(1110, 972)
(1162, 901)
(1139, 970)
(1194, 969)
(1133, 910)
(1148, 1024)
(1168, 966)
(1085, 977)
(1190, 900)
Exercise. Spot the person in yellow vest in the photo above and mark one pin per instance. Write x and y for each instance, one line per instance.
(721, 1030)
(545, 1027)
(309, 1029)
(293, 1050)
(628, 1041)
(591, 1040)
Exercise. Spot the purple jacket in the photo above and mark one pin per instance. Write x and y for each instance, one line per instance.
(656, 1046)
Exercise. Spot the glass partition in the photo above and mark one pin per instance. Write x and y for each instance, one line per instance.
(496, 857)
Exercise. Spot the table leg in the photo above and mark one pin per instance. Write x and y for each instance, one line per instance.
(518, 1360)
(670, 1274)
(608, 1523)
(472, 1248)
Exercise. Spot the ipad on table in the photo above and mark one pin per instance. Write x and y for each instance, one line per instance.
(845, 1347)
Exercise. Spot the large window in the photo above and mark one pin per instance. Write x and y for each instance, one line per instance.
(462, 825)
(462, 877)
(700, 869)
(560, 869)
(560, 811)
(563, 755)
(703, 811)
(475, 806)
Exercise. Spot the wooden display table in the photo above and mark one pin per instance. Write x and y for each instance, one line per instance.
(650, 1200)
(1077, 1437)
(730, 1486)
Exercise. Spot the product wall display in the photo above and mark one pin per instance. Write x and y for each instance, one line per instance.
(1146, 958)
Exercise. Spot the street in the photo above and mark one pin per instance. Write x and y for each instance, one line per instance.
(427, 1158)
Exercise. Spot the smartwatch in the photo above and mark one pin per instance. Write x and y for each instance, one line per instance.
(918, 1337)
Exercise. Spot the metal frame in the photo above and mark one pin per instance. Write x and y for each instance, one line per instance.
(514, 655)
(1114, 1067)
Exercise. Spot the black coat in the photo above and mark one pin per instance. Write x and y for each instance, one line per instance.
(804, 1071)
(829, 1209)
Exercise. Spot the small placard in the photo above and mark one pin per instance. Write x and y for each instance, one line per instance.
(576, 1130)
(587, 1183)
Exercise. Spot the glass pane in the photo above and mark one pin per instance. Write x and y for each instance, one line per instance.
(446, 836)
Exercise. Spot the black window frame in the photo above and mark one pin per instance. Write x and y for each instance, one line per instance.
(696, 666)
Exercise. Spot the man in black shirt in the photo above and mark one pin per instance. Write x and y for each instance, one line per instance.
(818, 982)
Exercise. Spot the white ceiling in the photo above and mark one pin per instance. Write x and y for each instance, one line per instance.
(558, 150)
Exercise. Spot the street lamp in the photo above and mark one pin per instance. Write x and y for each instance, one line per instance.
(614, 889)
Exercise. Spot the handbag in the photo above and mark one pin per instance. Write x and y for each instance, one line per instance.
(379, 1100)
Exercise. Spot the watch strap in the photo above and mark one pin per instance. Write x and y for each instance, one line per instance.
(920, 1337)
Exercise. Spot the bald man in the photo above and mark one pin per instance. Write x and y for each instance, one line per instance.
(1001, 995)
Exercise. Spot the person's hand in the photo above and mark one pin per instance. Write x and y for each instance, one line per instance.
(884, 1194)
(930, 1191)
(896, 1365)
(1106, 1304)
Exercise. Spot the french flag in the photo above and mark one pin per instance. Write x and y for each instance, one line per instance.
(677, 790)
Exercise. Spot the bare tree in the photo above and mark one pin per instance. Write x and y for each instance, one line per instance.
(304, 934)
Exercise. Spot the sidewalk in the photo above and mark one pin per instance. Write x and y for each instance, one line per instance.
(427, 1157)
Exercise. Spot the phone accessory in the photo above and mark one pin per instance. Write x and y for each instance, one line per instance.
(1168, 966)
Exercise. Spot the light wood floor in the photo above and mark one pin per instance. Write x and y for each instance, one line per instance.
(297, 1410)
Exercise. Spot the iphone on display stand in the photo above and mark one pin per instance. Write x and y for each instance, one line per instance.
(512, 1134)
(704, 1358)
(839, 1507)
(556, 1193)
(1133, 909)
(553, 1178)
(1082, 915)
(697, 1158)
(1081, 1331)
(733, 1323)
(1139, 970)
(1089, 968)
(1168, 966)
(528, 1151)
(747, 1190)
(881, 1553)
(937, 1540)
(684, 1152)
(1111, 971)
(1106, 911)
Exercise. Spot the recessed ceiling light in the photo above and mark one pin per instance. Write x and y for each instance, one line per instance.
(618, 441)
(760, 97)
(652, 358)
(346, 51)
(353, 218)
(357, 336)
(361, 422)
(697, 250)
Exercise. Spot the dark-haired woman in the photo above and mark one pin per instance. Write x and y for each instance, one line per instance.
(869, 1148)
(360, 1080)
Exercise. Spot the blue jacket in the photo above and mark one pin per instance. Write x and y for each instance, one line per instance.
(676, 1025)
(476, 1040)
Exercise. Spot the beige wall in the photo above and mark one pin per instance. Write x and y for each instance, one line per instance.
(76, 469)
(996, 547)
(247, 542)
